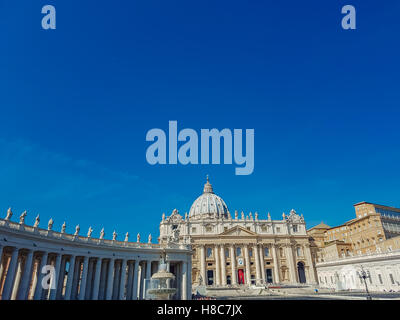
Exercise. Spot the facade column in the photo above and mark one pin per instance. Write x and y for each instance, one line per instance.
(262, 263)
(276, 264)
(217, 266)
(135, 281)
(39, 287)
(247, 263)
(223, 266)
(122, 282)
(233, 265)
(290, 259)
(310, 263)
(53, 282)
(27, 276)
(203, 264)
(109, 288)
(184, 281)
(257, 260)
(70, 277)
(8, 285)
(82, 286)
(96, 284)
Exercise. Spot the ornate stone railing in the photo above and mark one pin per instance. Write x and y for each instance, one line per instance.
(50, 234)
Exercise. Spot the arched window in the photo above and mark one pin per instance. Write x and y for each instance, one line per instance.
(266, 252)
(299, 252)
(209, 252)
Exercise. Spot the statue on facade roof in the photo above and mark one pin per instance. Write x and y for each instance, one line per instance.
(149, 239)
(22, 217)
(102, 233)
(50, 224)
(114, 235)
(89, 234)
(269, 216)
(77, 229)
(283, 216)
(138, 238)
(126, 237)
(236, 214)
(250, 216)
(63, 227)
(256, 215)
(37, 220)
(163, 216)
(242, 215)
(9, 214)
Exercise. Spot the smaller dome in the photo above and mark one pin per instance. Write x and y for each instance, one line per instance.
(208, 204)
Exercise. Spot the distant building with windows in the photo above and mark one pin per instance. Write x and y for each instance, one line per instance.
(238, 249)
(370, 240)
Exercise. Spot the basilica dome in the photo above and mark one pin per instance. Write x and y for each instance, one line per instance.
(208, 204)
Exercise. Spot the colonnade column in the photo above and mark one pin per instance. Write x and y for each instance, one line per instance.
(217, 266)
(71, 271)
(39, 287)
(276, 264)
(17, 279)
(8, 285)
(247, 262)
(184, 280)
(1, 263)
(203, 264)
(189, 281)
(54, 278)
(122, 282)
(135, 281)
(129, 281)
(233, 265)
(23, 291)
(82, 287)
(109, 288)
(96, 285)
(257, 259)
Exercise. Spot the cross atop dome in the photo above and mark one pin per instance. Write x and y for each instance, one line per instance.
(208, 187)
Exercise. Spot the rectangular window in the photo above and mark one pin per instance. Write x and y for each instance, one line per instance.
(391, 278)
(380, 279)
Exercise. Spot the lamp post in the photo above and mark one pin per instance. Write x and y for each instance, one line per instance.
(365, 275)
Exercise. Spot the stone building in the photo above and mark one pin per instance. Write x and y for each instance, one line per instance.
(375, 229)
(370, 241)
(85, 268)
(239, 249)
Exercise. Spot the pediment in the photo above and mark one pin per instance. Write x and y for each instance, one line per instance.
(238, 231)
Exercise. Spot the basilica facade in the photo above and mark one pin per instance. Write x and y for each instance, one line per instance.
(232, 250)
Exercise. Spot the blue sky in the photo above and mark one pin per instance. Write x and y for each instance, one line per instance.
(76, 104)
